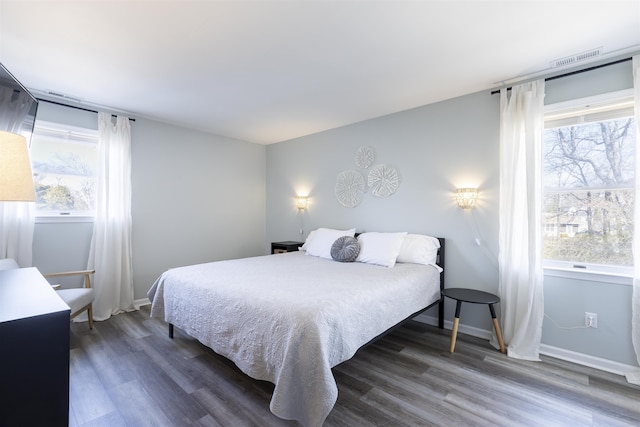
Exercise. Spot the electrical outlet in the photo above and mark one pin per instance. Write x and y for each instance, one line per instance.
(590, 319)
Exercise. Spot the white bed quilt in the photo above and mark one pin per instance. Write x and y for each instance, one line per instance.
(289, 318)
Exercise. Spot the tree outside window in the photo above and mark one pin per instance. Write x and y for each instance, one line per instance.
(64, 167)
(588, 173)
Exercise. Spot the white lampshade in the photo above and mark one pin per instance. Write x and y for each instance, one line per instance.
(16, 179)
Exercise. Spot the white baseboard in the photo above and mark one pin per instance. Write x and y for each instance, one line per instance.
(588, 360)
(547, 350)
(140, 302)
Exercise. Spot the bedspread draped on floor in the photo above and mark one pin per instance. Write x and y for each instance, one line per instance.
(290, 318)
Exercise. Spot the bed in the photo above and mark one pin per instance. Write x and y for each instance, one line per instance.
(289, 318)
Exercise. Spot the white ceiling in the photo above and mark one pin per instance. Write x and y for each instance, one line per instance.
(268, 71)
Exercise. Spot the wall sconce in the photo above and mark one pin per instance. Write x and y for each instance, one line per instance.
(466, 197)
(16, 179)
(301, 202)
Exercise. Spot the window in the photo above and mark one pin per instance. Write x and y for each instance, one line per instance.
(588, 178)
(64, 162)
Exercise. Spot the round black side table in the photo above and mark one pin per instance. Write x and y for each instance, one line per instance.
(476, 297)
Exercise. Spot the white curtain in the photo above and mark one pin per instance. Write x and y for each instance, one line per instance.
(16, 218)
(634, 377)
(110, 252)
(16, 231)
(520, 240)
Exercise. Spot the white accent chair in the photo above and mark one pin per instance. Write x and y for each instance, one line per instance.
(78, 299)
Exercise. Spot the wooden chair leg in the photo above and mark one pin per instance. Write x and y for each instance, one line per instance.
(90, 315)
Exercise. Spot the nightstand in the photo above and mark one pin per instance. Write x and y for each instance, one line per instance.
(284, 247)
(476, 297)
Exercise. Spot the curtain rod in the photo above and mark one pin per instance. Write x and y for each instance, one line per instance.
(571, 73)
(77, 108)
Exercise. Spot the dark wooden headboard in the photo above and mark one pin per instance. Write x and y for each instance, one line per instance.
(440, 261)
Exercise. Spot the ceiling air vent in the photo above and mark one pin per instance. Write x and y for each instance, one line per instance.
(578, 57)
(62, 95)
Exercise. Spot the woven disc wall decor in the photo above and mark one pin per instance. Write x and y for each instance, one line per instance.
(383, 180)
(349, 188)
(365, 156)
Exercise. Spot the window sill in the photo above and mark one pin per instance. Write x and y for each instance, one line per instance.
(62, 219)
(590, 276)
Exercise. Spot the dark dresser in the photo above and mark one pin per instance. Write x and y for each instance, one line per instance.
(34, 351)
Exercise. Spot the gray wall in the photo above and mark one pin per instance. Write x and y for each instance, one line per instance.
(196, 197)
(437, 148)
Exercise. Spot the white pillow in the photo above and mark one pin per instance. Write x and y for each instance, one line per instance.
(419, 249)
(380, 248)
(307, 240)
(323, 239)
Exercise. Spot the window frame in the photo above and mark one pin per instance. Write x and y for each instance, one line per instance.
(44, 216)
(613, 274)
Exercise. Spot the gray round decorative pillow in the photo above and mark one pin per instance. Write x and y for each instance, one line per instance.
(345, 249)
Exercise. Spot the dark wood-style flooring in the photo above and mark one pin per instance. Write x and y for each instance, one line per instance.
(128, 372)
